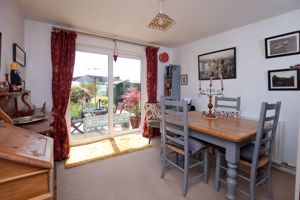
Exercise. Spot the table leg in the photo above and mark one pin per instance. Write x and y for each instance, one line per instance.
(231, 180)
(232, 158)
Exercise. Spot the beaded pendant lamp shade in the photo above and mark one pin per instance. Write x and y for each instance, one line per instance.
(161, 21)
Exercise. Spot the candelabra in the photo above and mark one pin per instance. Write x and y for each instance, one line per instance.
(210, 92)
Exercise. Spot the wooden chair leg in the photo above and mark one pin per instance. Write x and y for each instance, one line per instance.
(185, 175)
(150, 134)
(252, 188)
(269, 186)
(218, 168)
(164, 154)
(206, 165)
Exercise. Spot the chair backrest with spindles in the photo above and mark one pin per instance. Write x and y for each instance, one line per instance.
(175, 123)
(268, 121)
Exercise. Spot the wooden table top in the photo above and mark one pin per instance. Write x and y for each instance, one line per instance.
(228, 128)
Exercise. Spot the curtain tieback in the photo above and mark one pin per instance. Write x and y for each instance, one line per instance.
(54, 114)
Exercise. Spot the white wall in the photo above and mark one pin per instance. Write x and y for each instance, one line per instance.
(251, 82)
(12, 28)
(297, 188)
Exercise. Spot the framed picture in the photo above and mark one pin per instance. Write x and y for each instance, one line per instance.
(215, 63)
(19, 55)
(184, 79)
(284, 79)
(282, 45)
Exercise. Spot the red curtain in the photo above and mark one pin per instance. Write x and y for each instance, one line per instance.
(151, 55)
(63, 58)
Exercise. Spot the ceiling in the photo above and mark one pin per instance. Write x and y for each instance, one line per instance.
(195, 19)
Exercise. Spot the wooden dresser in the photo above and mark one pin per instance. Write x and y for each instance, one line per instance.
(26, 164)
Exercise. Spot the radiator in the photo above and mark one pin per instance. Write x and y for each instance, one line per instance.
(277, 154)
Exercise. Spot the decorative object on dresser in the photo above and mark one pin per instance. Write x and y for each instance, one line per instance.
(26, 161)
(210, 92)
(184, 79)
(19, 55)
(15, 77)
(283, 45)
(172, 81)
(218, 62)
(284, 79)
(17, 109)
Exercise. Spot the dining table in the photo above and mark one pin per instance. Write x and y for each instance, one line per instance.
(228, 132)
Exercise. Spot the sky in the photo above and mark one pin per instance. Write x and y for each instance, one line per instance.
(97, 64)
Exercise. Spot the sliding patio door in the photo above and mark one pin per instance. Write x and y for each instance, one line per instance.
(105, 95)
(126, 94)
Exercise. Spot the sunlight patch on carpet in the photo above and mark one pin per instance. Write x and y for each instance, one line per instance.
(105, 149)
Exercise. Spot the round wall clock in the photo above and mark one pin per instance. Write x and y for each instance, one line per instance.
(164, 57)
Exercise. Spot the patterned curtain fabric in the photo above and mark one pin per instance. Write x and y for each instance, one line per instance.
(63, 58)
(152, 111)
(151, 54)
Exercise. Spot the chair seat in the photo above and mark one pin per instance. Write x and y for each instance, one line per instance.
(194, 146)
(154, 123)
(247, 152)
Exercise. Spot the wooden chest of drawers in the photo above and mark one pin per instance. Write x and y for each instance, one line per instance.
(26, 164)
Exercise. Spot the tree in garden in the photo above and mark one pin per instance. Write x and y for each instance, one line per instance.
(131, 100)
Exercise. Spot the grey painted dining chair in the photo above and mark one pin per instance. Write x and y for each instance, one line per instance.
(255, 158)
(227, 106)
(176, 141)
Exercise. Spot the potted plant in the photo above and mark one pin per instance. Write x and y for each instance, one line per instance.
(131, 100)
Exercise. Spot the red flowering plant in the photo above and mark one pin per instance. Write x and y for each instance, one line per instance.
(131, 100)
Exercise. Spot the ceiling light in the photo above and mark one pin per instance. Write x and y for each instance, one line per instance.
(161, 21)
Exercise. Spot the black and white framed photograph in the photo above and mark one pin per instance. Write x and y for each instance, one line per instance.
(217, 63)
(184, 79)
(19, 55)
(283, 79)
(283, 45)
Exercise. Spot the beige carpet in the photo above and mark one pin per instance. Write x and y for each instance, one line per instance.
(105, 149)
(135, 176)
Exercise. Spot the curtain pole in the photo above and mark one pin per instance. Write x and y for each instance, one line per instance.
(54, 28)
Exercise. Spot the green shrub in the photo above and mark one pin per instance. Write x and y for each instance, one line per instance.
(75, 110)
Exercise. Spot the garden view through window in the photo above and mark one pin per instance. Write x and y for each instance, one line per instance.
(105, 99)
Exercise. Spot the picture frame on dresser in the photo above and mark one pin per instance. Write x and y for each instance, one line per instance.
(283, 45)
(19, 55)
(284, 79)
(215, 63)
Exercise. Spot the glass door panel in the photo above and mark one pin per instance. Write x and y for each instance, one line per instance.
(89, 97)
(126, 95)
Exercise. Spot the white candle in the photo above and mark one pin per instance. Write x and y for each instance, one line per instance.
(222, 86)
(210, 81)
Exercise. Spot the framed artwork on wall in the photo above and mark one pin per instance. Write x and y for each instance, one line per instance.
(184, 79)
(282, 45)
(215, 63)
(19, 55)
(284, 79)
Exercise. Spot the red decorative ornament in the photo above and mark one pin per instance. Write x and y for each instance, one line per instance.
(115, 57)
(115, 51)
(164, 57)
